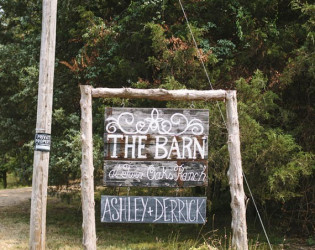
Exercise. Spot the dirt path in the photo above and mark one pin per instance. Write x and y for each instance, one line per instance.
(13, 197)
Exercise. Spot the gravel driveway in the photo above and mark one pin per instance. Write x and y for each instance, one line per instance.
(13, 197)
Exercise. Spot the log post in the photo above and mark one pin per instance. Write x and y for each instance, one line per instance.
(43, 126)
(87, 169)
(235, 175)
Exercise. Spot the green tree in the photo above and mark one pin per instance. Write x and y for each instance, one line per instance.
(264, 49)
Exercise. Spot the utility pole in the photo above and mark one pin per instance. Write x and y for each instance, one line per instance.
(43, 126)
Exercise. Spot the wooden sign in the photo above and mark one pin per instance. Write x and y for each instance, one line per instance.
(116, 209)
(156, 147)
(150, 209)
(155, 174)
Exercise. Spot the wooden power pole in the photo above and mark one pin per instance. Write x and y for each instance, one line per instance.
(43, 126)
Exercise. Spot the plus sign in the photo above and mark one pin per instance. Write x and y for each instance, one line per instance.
(150, 211)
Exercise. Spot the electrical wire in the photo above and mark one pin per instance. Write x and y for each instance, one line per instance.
(199, 56)
(208, 78)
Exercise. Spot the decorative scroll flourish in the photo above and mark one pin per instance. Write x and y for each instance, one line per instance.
(154, 124)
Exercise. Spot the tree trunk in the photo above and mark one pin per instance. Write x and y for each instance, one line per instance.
(4, 178)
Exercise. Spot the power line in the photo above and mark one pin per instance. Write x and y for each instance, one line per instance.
(199, 56)
(208, 78)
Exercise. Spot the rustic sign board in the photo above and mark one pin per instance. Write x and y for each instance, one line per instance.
(150, 209)
(155, 174)
(156, 147)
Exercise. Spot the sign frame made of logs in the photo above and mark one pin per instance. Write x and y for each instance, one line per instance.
(239, 225)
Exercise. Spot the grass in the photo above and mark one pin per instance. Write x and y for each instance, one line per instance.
(64, 231)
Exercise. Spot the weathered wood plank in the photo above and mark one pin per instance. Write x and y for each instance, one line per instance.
(155, 173)
(150, 209)
(155, 147)
(161, 140)
(143, 121)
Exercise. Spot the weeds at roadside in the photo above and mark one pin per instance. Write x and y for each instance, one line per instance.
(64, 231)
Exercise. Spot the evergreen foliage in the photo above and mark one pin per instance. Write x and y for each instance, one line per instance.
(263, 48)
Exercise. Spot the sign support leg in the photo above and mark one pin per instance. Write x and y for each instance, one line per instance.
(235, 175)
(87, 169)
